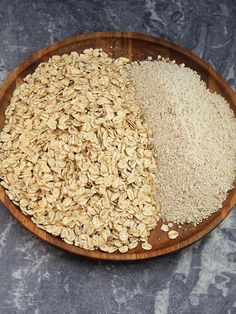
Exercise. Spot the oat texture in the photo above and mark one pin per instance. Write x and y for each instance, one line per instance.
(195, 139)
(76, 156)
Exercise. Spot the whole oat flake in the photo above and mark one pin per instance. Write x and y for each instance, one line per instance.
(77, 156)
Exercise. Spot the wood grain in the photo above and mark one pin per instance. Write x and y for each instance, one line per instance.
(136, 47)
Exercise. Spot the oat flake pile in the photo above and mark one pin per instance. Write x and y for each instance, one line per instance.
(77, 156)
(96, 150)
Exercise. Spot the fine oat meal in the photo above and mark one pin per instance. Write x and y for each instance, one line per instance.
(194, 136)
(77, 156)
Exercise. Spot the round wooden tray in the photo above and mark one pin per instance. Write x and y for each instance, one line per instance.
(136, 47)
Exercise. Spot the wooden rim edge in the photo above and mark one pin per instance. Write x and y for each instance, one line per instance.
(106, 256)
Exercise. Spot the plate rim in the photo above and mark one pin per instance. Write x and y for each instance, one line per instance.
(96, 254)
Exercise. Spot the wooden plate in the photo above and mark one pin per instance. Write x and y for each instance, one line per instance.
(136, 47)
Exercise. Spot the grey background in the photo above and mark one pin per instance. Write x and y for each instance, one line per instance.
(37, 278)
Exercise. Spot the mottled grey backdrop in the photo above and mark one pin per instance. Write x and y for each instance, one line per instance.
(36, 278)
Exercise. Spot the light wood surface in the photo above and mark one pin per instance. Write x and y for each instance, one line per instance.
(136, 47)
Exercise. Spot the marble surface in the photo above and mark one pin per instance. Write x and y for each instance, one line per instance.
(37, 278)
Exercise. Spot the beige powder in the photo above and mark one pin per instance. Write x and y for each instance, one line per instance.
(195, 139)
